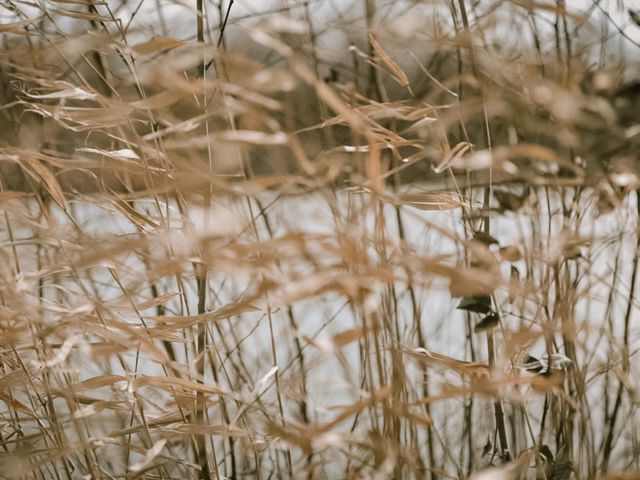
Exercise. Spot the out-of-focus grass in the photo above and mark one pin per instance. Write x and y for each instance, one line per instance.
(233, 243)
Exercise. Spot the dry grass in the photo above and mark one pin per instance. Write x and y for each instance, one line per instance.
(233, 243)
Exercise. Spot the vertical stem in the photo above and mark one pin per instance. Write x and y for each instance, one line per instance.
(200, 31)
(201, 272)
(498, 410)
(608, 443)
(274, 355)
(370, 12)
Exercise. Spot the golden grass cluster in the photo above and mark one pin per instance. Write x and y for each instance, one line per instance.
(369, 239)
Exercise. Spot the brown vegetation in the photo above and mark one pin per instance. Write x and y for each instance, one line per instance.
(384, 240)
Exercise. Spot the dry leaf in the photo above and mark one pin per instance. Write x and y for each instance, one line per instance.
(149, 456)
(41, 173)
(399, 74)
(427, 201)
(156, 45)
